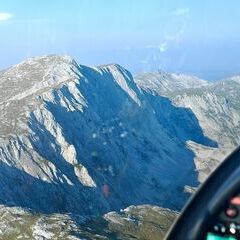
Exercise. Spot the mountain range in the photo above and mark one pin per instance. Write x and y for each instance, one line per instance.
(82, 141)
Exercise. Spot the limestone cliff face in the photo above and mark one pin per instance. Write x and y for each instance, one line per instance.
(88, 140)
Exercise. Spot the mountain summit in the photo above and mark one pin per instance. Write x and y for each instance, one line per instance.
(89, 139)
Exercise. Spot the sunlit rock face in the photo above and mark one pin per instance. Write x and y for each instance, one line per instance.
(165, 83)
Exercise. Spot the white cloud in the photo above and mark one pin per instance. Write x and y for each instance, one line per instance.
(4, 16)
(163, 47)
(182, 11)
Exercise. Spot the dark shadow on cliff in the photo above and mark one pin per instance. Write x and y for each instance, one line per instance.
(180, 122)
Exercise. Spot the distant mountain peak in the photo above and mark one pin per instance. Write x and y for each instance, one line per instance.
(163, 82)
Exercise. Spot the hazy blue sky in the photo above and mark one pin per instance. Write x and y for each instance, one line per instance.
(201, 37)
